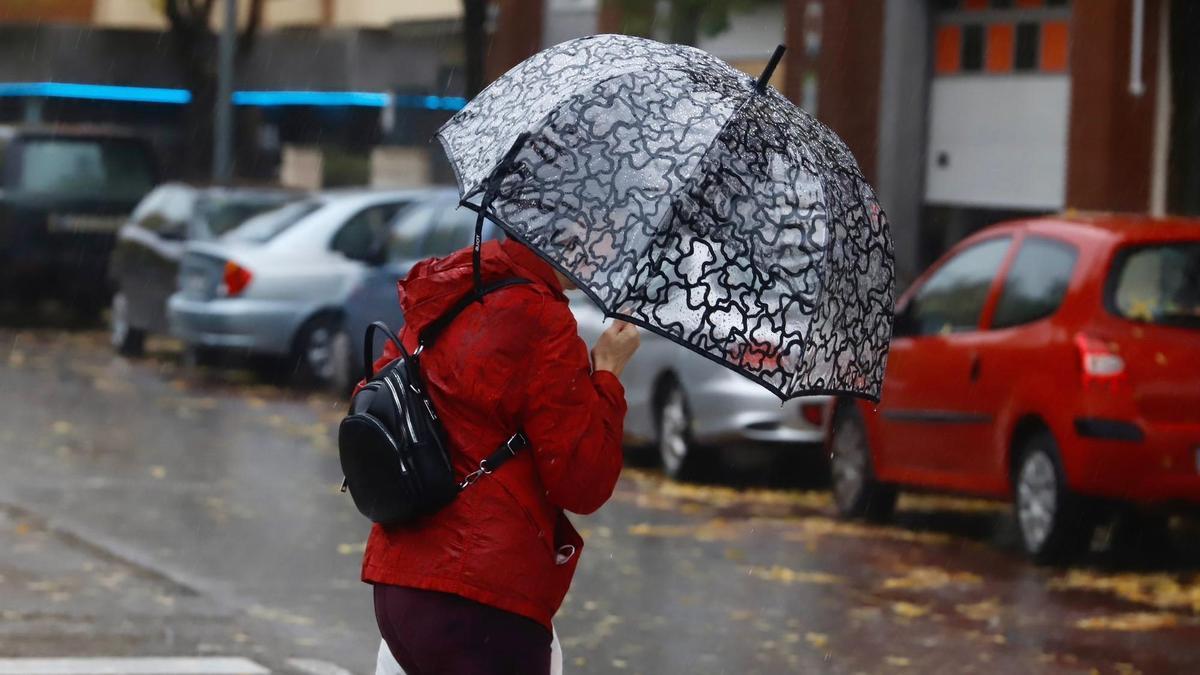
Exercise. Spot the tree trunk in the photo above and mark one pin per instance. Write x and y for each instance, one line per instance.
(196, 61)
(474, 47)
(685, 22)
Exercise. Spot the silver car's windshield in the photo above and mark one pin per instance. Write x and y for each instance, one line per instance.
(265, 226)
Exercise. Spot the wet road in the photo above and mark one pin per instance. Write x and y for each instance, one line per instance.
(148, 510)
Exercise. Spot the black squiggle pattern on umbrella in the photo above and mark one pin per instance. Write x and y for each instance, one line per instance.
(679, 199)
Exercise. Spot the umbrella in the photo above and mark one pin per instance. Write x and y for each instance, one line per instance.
(687, 198)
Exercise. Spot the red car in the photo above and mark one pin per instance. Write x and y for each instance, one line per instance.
(1054, 360)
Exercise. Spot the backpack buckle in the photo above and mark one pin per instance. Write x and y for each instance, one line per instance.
(517, 439)
(471, 478)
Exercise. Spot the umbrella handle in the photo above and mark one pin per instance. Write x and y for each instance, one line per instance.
(763, 79)
(489, 193)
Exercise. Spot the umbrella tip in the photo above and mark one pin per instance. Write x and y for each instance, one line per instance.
(763, 79)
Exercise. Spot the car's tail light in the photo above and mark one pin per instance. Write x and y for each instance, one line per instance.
(1098, 360)
(235, 279)
(755, 355)
(813, 413)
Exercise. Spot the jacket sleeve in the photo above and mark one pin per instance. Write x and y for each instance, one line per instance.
(574, 418)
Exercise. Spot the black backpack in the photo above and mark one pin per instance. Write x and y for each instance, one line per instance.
(392, 444)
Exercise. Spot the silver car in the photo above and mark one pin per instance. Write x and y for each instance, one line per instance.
(276, 285)
(144, 266)
(683, 404)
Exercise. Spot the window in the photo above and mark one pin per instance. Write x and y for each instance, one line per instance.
(1157, 284)
(952, 299)
(362, 235)
(1036, 283)
(81, 167)
(219, 213)
(266, 226)
(409, 230)
(1027, 46)
(972, 48)
(454, 230)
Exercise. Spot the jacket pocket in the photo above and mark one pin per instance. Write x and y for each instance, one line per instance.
(540, 530)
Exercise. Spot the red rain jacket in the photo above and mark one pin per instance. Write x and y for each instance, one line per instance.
(514, 362)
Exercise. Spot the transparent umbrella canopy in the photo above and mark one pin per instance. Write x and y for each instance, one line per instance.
(686, 197)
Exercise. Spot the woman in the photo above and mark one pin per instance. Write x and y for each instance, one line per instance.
(473, 588)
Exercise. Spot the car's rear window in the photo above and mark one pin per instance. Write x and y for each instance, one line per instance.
(84, 168)
(222, 213)
(1157, 284)
(266, 226)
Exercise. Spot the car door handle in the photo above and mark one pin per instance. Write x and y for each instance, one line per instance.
(976, 367)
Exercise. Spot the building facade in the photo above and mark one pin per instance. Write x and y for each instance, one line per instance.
(338, 76)
(965, 112)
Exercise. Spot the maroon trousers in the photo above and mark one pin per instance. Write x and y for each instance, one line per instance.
(433, 633)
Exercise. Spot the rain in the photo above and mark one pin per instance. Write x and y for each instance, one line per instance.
(959, 434)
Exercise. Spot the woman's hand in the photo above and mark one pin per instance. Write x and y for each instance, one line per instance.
(615, 347)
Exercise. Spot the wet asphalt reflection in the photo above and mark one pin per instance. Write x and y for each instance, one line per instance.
(150, 508)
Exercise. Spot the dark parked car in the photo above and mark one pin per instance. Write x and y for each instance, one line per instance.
(63, 194)
(145, 264)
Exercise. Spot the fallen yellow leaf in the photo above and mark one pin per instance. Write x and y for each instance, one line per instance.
(980, 611)
(908, 609)
(1131, 622)
(351, 549)
(926, 578)
(788, 576)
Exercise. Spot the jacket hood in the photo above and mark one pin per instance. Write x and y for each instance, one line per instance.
(434, 285)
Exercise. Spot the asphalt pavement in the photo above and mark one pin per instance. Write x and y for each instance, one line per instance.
(149, 510)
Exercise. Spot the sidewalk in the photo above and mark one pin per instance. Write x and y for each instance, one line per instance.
(62, 597)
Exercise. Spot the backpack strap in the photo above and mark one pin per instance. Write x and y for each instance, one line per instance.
(507, 450)
(369, 346)
(432, 331)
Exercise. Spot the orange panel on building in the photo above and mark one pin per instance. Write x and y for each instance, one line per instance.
(999, 54)
(1055, 35)
(948, 49)
(48, 11)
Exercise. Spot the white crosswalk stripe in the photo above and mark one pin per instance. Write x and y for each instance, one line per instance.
(216, 665)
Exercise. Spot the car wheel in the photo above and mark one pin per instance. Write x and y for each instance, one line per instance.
(856, 492)
(315, 353)
(127, 340)
(1054, 523)
(676, 447)
(344, 376)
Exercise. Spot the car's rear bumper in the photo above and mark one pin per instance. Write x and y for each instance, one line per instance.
(242, 324)
(731, 411)
(1160, 467)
